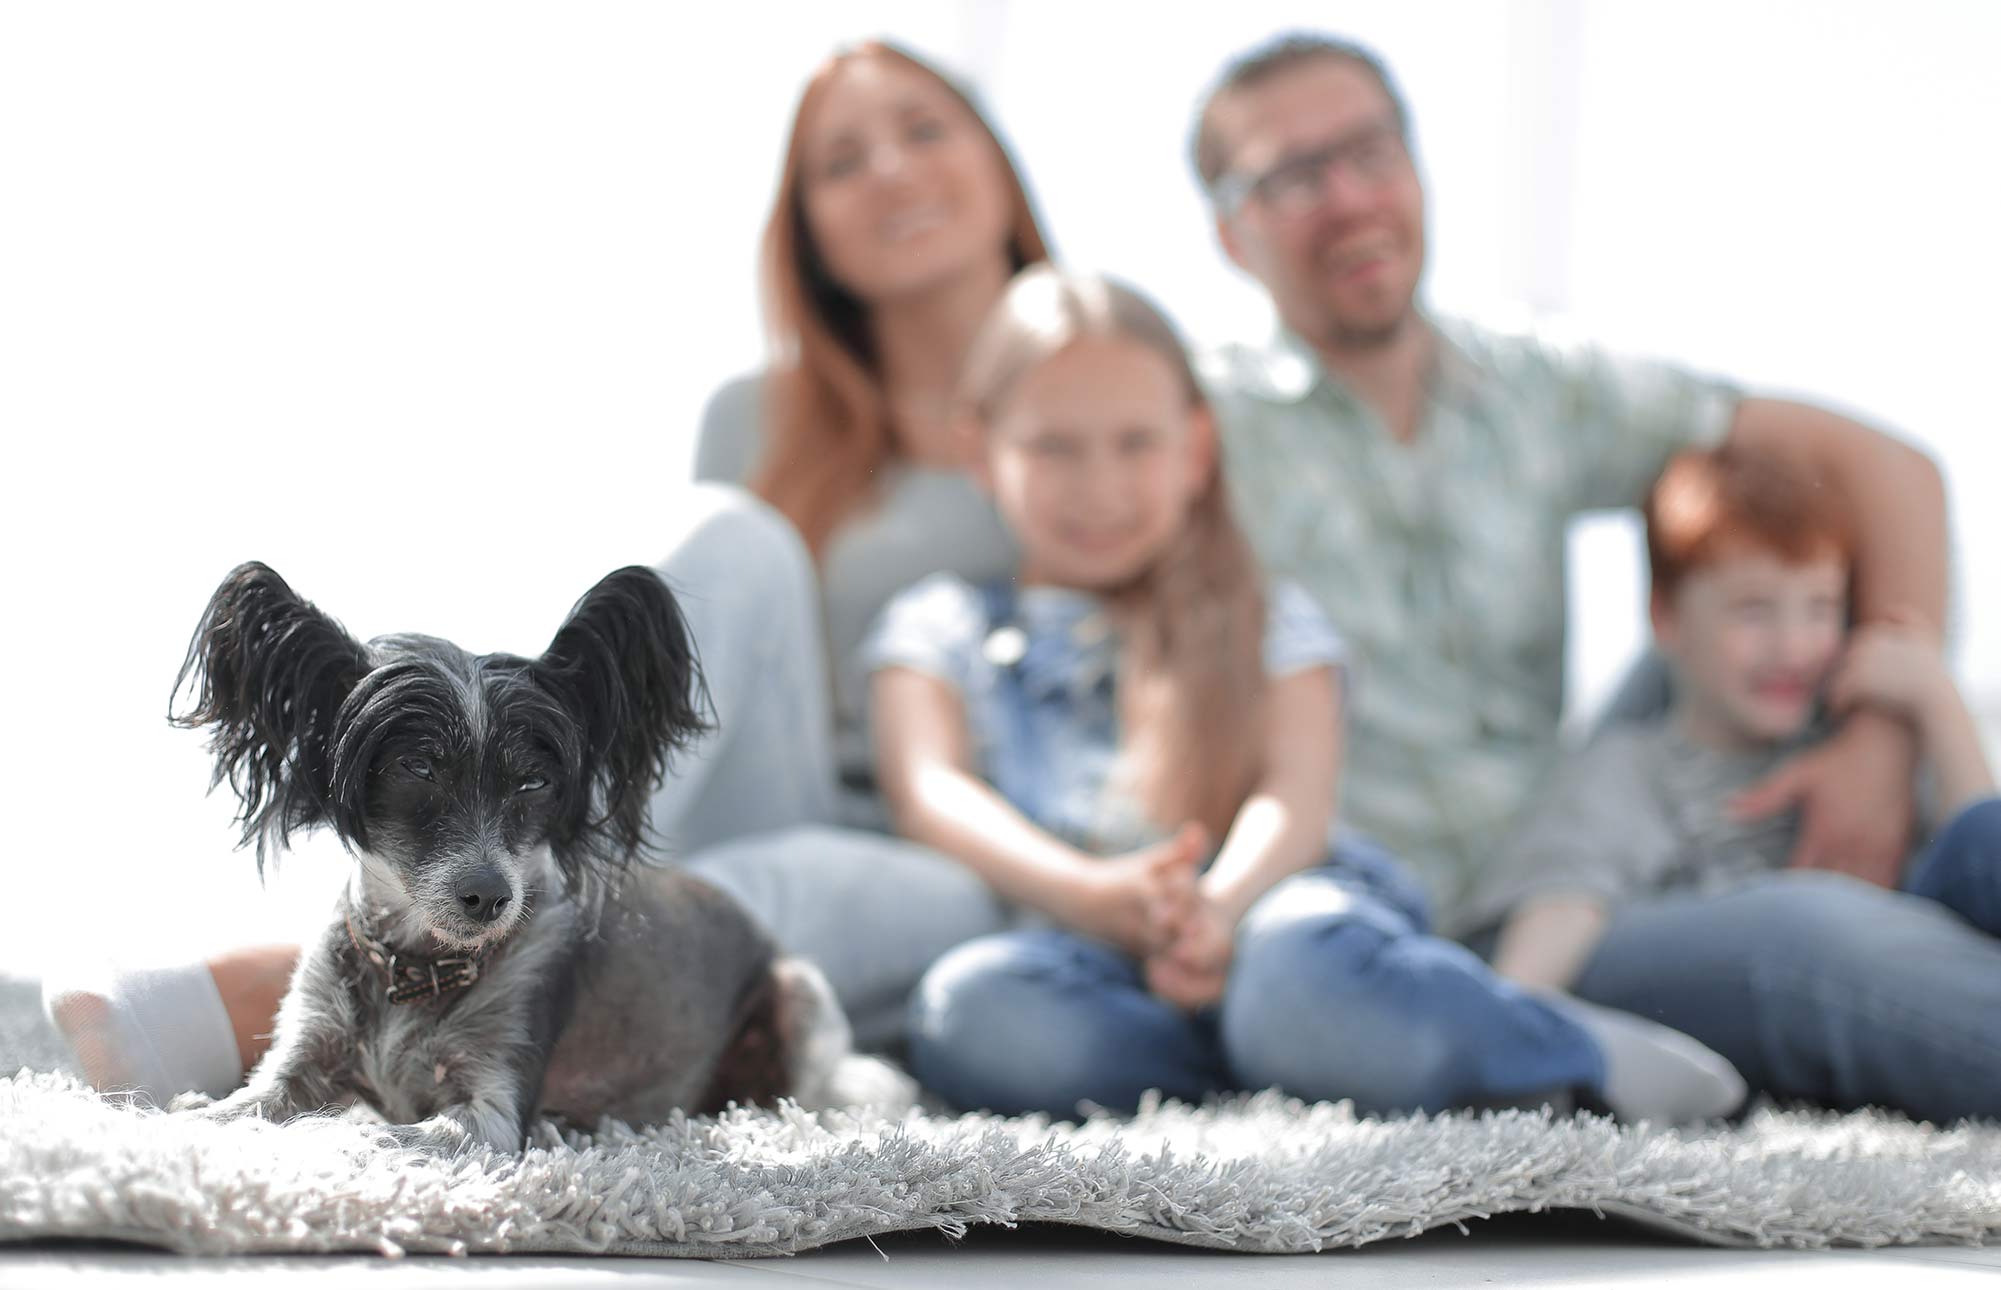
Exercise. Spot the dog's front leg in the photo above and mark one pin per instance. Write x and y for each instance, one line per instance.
(488, 1078)
(488, 1056)
(483, 1101)
(276, 1091)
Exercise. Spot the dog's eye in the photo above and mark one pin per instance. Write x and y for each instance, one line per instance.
(533, 784)
(418, 766)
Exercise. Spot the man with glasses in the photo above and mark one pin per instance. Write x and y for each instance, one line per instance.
(1417, 474)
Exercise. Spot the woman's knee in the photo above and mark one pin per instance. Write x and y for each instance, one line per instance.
(729, 539)
(859, 878)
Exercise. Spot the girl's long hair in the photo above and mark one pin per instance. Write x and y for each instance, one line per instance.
(827, 431)
(1191, 627)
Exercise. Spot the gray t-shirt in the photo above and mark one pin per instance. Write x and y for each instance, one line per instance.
(926, 521)
(1639, 811)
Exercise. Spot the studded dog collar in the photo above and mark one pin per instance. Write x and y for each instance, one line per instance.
(414, 978)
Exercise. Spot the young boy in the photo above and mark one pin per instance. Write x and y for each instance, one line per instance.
(1750, 568)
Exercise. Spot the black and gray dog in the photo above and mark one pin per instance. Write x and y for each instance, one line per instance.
(496, 955)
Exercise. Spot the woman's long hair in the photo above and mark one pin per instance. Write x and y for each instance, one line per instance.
(827, 431)
(1191, 627)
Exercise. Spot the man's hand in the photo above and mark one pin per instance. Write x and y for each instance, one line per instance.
(1895, 665)
(1191, 970)
(1854, 797)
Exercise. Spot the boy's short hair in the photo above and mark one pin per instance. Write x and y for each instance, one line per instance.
(1714, 503)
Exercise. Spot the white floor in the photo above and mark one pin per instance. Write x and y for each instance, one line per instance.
(1567, 1250)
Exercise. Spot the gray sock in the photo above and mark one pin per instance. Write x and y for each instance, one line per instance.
(1653, 1072)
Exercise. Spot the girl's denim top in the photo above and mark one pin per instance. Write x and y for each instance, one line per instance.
(1035, 667)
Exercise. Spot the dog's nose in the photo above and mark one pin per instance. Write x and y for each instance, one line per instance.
(484, 895)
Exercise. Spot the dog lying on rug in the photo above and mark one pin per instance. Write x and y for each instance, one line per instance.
(495, 956)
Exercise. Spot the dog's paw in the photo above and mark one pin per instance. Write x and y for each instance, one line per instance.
(429, 1138)
(442, 1136)
(197, 1106)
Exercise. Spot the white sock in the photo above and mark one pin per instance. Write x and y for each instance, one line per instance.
(153, 1031)
(1653, 1072)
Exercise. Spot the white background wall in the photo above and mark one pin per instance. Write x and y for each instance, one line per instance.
(419, 303)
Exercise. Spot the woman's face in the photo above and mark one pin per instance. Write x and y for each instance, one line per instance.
(903, 190)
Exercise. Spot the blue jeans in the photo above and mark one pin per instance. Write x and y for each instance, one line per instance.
(1336, 991)
(1823, 988)
(1961, 867)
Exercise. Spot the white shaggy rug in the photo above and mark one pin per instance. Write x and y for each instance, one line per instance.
(1261, 1173)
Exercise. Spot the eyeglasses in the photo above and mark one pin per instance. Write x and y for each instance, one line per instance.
(1297, 184)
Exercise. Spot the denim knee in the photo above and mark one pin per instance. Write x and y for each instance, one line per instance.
(1306, 1012)
(1824, 986)
(1961, 868)
(1826, 950)
(1773, 967)
(1367, 868)
(988, 1029)
(1796, 916)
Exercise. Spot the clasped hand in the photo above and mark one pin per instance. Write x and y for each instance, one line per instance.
(1149, 904)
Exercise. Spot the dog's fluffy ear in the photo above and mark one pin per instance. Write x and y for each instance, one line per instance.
(268, 672)
(627, 666)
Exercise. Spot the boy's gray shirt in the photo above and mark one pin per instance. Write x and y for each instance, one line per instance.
(1639, 811)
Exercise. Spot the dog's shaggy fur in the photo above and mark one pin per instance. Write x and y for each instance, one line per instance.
(495, 956)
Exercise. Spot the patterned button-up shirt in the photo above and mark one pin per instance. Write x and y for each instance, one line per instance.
(1442, 559)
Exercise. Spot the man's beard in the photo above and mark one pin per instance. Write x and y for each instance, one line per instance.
(1366, 337)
